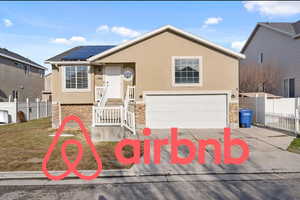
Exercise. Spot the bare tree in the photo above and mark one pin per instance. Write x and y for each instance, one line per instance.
(259, 79)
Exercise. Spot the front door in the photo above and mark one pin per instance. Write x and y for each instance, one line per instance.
(113, 80)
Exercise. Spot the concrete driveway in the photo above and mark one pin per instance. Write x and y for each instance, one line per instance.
(267, 153)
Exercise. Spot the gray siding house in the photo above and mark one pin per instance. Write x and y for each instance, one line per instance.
(272, 61)
(19, 77)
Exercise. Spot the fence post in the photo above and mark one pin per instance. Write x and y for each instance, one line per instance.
(256, 105)
(16, 109)
(9, 98)
(297, 117)
(27, 109)
(46, 109)
(264, 110)
(37, 108)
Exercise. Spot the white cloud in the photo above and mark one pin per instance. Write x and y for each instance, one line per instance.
(102, 28)
(212, 20)
(73, 39)
(125, 32)
(273, 8)
(119, 30)
(238, 45)
(7, 22)
(77, 39)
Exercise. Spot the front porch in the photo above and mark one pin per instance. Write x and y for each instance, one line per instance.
(114, 95)
(114, 115)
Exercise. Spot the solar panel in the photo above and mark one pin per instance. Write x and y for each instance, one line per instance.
(85, 52)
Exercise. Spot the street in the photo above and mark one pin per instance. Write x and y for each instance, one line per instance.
(259, 186)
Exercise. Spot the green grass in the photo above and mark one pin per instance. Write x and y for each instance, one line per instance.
(23, 146)
(295, 146)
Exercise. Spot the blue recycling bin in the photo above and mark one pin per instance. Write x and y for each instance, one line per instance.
(245, 118)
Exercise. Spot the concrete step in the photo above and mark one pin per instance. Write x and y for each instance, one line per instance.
(110, 133)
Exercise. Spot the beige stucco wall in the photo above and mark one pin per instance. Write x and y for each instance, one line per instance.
(58, 95)
(279, 51)
(47, 82)
(153, 62)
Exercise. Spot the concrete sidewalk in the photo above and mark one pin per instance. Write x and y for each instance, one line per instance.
(267, 153)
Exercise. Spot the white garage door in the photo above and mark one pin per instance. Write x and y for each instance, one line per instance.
(186, 111)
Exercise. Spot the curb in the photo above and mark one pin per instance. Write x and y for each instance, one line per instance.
(38, 175)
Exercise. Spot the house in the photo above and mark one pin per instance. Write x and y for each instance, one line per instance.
(46, 93)
(20, 77)
(272, 59)
(165, 78)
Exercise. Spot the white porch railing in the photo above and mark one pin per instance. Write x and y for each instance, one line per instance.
(107, 115)
(129, 121)
(130, 92)
(100, 95)
(114, 116)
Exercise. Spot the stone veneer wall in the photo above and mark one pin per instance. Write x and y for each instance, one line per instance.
(83, 111)
(140, 115)
(55, 115)
(234, 114)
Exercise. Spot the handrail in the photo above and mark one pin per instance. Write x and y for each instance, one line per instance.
(101, 95)
(129, 95)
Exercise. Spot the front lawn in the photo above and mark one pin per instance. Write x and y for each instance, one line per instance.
(295, 146)
(23, 146)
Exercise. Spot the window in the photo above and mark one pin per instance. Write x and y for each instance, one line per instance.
(289, 87)
(76, 77)
(260, 58)
(187, 70)
(15, 94)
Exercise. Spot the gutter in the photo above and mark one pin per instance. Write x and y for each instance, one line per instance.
(67, 62)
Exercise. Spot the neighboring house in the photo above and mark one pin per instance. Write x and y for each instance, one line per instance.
(272, 60)
(46, 93)
(19, 77)
(165, 78)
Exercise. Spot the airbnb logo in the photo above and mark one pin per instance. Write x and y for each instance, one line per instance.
(196, 150)
(192, 147)
(71, 165)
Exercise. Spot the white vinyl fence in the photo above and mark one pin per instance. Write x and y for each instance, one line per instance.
(32, 109)
(279, 113)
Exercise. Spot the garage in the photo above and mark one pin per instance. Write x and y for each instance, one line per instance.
(186, 110)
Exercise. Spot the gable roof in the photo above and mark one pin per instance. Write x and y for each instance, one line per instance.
(16, 57)
(289, 29)
(105, 50)
(80, 53)
(160, 30)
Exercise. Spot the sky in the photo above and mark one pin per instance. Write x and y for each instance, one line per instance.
(40, 30)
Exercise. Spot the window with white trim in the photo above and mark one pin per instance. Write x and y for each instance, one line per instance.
(76, 77)
(186, 70)
(289, 87)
